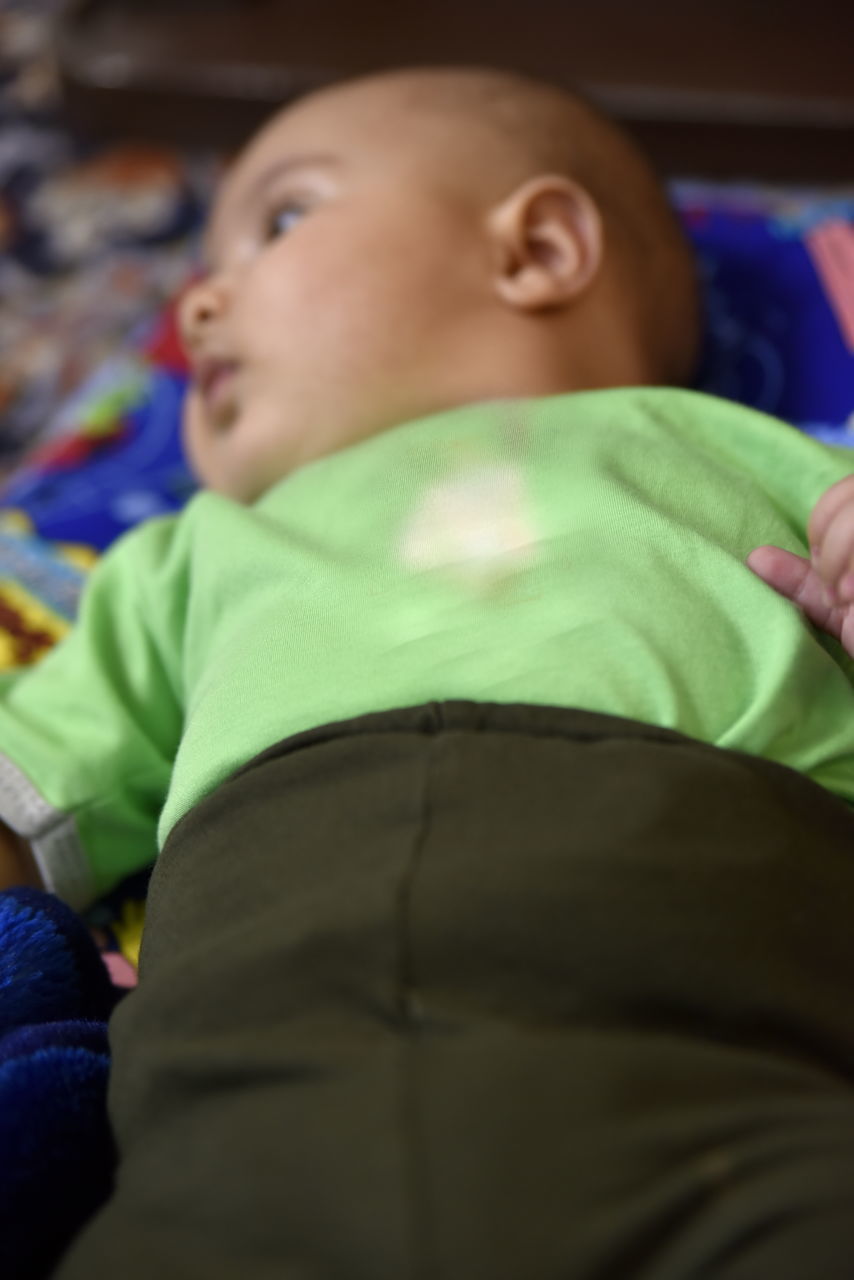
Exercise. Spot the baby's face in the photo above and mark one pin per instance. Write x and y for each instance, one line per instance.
(342, 265)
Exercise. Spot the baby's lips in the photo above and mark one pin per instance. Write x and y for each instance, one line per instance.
(211, 372)
(215, 382)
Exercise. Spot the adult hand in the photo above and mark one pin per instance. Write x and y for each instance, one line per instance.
(823, 585)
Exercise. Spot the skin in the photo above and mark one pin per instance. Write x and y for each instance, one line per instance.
(823, 585)
(411, 266)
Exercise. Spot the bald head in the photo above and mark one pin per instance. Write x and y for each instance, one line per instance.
(502, 128)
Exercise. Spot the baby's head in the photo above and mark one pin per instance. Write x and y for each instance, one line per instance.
(399, 245)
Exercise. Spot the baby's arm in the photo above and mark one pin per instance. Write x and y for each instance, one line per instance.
(88, 735)
(17, 864)
(823, 585)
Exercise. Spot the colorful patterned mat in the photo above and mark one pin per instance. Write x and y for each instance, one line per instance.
(94, 238)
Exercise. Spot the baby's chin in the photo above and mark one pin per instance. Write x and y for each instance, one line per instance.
(214, 460)
(230, 483)
(239, 480)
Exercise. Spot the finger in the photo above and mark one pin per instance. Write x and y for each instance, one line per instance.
(835, 559)
(795, 578)
(831, 501)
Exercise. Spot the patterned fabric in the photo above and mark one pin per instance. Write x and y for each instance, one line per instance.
(93, 240)
(40, 583)
(777, 267)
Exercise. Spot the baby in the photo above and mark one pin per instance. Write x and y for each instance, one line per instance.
(501, 923)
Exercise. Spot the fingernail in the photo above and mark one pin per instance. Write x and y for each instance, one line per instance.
(846, 587)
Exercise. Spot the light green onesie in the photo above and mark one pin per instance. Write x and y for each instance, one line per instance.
(584, 550)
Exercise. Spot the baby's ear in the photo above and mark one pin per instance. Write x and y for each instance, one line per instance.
(549, 238)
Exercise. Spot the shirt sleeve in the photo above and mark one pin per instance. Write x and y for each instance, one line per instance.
(88, 735)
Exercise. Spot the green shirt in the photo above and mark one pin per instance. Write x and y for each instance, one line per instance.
(582, 550)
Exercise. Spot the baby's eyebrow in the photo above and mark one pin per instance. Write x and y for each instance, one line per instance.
(287, 165)
(282, 167)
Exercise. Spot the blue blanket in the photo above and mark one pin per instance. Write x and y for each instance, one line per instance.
(56, 1151)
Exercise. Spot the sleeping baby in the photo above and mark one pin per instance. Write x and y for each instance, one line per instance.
(500, 924)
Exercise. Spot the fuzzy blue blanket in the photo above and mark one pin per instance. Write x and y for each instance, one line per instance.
(56, 1151)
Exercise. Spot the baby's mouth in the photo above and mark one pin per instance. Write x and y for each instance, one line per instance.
(216, 381)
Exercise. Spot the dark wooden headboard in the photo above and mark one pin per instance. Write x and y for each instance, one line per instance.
(760, 89)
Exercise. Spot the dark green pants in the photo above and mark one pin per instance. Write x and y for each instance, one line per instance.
(481, 992)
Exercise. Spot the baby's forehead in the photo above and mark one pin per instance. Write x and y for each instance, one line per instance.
(345, 132)
(358, 123)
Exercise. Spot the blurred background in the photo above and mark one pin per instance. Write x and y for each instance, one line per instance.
(95, 235)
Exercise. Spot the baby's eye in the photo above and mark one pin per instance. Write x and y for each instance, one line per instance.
(283, 219)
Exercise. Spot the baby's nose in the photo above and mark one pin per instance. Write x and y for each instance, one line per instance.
(203, 302)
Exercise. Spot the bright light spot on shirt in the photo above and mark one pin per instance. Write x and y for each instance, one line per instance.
(475, 524)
